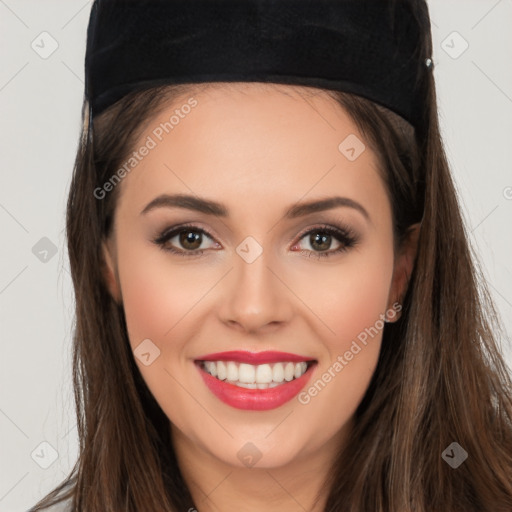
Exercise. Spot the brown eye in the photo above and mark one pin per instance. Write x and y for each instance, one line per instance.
(320, 242)
(190, 240)
(185, 240)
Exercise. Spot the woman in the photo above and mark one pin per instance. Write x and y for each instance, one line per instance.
(276, 304)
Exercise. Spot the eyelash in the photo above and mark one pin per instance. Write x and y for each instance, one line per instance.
(344, 235)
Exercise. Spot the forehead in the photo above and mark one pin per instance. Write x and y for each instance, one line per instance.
(252, 139)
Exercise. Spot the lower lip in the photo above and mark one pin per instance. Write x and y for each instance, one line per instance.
(255, 399)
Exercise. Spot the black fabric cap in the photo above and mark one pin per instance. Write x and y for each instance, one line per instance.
(367, 47)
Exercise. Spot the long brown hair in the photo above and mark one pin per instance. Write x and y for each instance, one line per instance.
(440, 377)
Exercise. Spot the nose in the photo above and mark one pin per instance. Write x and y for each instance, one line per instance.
(256, 298)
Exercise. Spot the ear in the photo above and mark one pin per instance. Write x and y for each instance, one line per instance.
(404, 264)
(110, 269)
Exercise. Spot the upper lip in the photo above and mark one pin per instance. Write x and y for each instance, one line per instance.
(243, 356)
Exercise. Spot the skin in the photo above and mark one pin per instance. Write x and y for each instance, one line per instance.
(257, 149)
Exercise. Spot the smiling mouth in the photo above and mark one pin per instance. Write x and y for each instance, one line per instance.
(250, 376)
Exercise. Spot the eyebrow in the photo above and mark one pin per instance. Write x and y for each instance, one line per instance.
(210, 207)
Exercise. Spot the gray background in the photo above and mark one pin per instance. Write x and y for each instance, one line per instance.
(40, 105)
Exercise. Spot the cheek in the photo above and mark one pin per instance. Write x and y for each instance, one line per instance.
(346, 298)
(156, 295)
(350, 304)
(159, 300)
(151, 306)
(356, 304)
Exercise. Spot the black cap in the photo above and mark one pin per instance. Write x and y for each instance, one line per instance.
(367, 47)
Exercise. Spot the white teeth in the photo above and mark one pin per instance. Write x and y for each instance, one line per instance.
(289, 371)
(246, 373)
(248, 385)
(232, 371)
(260, 376)
(263, 374)
(277, 372)
(211, 368)
(300, 368)
(221, 370)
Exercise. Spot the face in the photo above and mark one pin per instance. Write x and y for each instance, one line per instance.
(268, 267)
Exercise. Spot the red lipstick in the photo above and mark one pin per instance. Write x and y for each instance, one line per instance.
(243, 356)
(255, 399)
